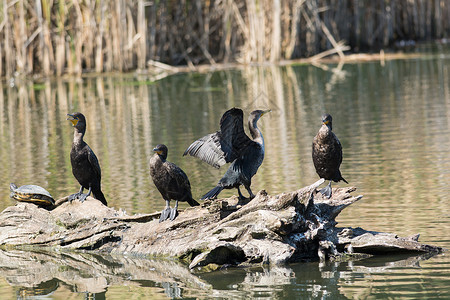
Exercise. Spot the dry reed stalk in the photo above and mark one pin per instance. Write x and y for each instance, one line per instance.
(131, 37)
(60, 39)
(275, 52)
(89, 32)
(20, 36)
(108, 65)
(141, 34)
(100, 20)
(294, 29)
(9, 50)
(151, 38)
(226, 12)
(116, 60)
(48, 57)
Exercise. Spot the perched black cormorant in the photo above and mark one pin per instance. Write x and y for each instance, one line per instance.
(231, 144)
(170, 181)
(85, 166)
(327, 154)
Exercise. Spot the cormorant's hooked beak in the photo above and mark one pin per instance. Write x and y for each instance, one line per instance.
(72, 119)
(156, 150)
(325, 122)
(265, 112)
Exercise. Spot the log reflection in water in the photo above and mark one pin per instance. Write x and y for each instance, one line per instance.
(41, 273)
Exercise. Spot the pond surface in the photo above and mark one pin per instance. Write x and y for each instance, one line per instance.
(393, 120)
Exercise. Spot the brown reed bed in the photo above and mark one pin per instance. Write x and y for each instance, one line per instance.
(76, 36)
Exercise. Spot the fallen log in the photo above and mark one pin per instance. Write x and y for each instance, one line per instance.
(278, 229)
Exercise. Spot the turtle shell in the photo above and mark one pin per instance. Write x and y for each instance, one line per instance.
(31, 193)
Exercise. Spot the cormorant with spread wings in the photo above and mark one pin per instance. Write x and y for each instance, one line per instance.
(231, 144)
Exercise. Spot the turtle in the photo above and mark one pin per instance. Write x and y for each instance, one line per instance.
(31, 193)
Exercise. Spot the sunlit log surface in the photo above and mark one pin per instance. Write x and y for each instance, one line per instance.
(288, 227)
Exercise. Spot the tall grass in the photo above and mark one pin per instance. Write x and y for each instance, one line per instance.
(75, 36)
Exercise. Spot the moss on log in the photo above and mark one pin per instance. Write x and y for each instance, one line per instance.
(277, 229)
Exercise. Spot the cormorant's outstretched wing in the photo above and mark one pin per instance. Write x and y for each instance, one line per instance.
(94, 163)
(224, 145)
(208, 149)
(233, 140)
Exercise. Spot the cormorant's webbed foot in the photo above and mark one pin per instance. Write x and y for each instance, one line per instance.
(174, 211)
(84, 196)
(241, 197)
(76, 195)
(326, 191)
(243, 200)
(250, 193)
(73, 197)
(165, 214)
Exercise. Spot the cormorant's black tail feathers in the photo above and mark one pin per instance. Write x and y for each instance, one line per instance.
(192, 202)
(339, 175)
(99, 196)
(212, 193)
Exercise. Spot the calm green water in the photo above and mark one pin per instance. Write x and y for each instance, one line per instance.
(393, 122)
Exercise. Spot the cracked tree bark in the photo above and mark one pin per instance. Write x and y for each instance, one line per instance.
(277, 229)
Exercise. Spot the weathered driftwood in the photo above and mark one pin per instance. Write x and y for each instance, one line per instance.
(278, 229)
